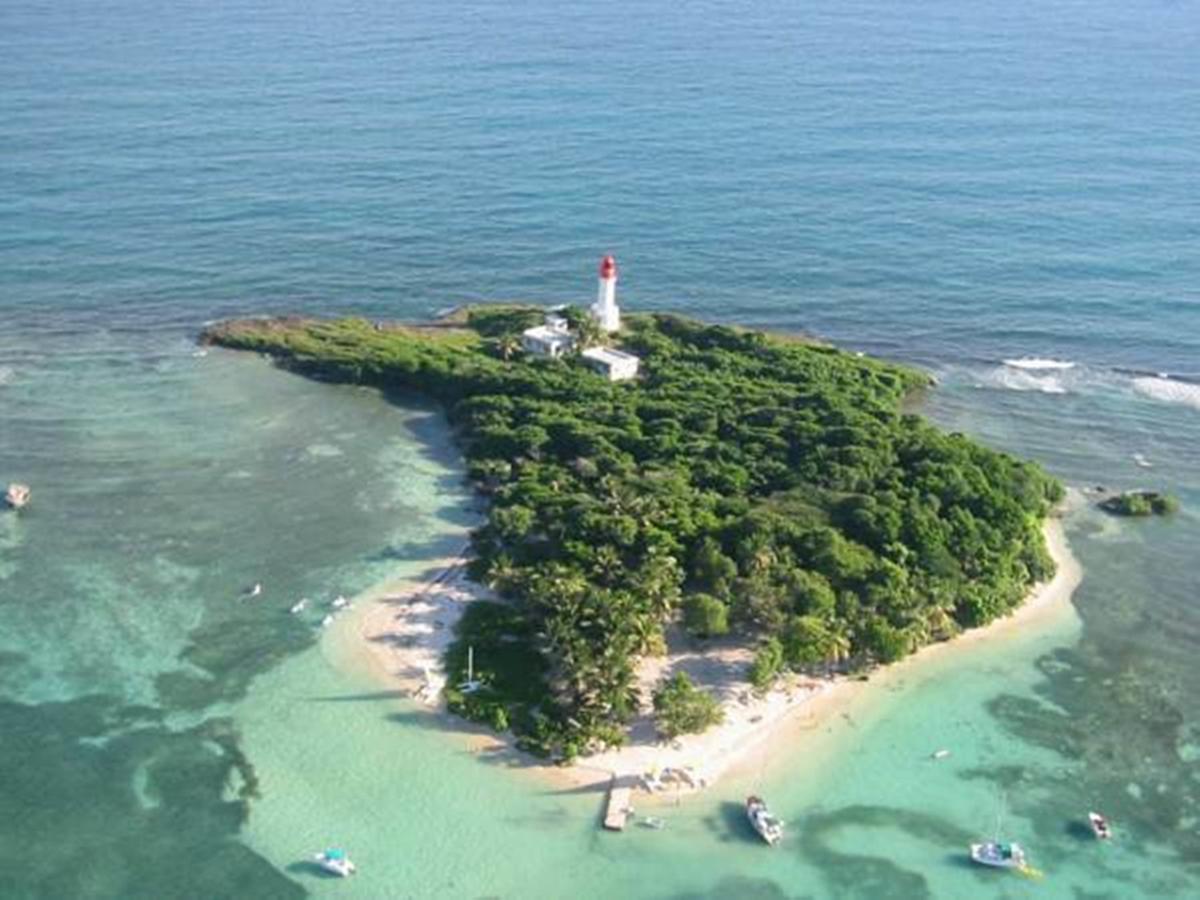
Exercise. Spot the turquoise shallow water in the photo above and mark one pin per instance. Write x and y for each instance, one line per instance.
(954, 184)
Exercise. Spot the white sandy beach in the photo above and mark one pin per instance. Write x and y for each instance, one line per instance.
(409, 629)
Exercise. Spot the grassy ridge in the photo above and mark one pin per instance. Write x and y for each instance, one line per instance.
(769, 486)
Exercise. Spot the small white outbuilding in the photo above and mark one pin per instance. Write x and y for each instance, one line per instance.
(615, 365)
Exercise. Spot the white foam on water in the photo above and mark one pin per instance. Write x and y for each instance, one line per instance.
(323, 451)
(1024, 380)
(1033, 363)
(1168, 390)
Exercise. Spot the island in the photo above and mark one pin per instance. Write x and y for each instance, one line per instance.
(760, 498)
(1140, 504)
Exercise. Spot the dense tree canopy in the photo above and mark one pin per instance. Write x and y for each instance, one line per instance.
(765, 485)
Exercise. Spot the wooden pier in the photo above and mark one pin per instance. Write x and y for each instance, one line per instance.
(620, 806)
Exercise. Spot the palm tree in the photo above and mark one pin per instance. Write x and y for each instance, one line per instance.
(940, 623)
(507, 344)
(590, 333)
(501, 572)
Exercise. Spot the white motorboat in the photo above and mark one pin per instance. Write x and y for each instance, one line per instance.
(999, 855)
(327, 621)
(769, 828)
(336, 862)
(17, 496)
(1100, 826)
(298, 606)
(653, 822)
(255, 591)
(340, 602)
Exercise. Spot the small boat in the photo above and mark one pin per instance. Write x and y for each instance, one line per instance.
(999, 855)
(255, 591)
(340, 602)
(298, 607)
(939, 754)
(653, 822)
(769, 828)
(1140, 459)
(336, 862)
(1100, 826)
(17, 496)
(327, 621)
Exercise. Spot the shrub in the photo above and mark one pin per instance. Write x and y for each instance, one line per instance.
(682, 708)
(705, 616)
(768, 663)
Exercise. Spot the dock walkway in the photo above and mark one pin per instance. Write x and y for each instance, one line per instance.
(619, 807)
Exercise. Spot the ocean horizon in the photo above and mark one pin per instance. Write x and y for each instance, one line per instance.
(1004, 197)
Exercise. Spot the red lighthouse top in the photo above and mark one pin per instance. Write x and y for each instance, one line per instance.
(608, 267)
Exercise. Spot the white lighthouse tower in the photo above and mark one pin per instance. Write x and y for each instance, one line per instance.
(605, 310)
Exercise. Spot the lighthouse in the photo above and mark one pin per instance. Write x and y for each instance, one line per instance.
(605, 310)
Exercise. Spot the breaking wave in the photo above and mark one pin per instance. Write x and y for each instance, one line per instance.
(1168, 390)
(1053, 376)
(1022, 379)
(1032, 363)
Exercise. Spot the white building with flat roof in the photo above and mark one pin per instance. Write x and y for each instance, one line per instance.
(615, 365)
(552, 339)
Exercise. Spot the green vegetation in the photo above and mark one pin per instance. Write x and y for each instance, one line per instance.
(507, 665)
(1140, 503)
(705, 615)
(766, 486)
(682, 708)
(768, 663)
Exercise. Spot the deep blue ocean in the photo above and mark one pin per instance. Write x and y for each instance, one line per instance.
(1005, 194)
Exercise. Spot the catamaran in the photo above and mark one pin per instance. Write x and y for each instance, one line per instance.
(999, 855)
(769, 828)
(471, 685)
(336, 862)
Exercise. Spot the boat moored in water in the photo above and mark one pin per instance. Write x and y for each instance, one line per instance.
(999, 855)
(769, 828)
(1100, 826)
(17, 495)
(336, 862)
